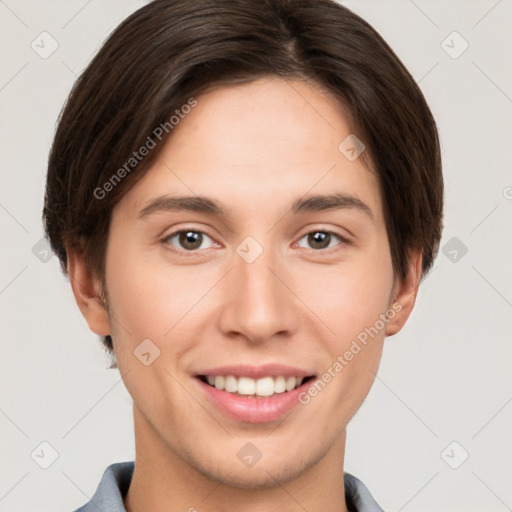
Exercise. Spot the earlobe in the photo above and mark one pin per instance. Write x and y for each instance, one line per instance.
(405, 295)
(88, 293)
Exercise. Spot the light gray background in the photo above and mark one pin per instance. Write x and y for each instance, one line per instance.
(444, 378)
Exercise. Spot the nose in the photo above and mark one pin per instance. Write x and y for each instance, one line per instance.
(258, 303)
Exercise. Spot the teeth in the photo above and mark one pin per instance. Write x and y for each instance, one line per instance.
(290, 383)
(246, 386)
(280, 384)
(230, 384)
(266, 386)
(219, 382)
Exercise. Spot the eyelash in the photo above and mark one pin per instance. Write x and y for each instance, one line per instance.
(342, 240)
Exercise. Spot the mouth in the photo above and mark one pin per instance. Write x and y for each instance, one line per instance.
(260, 399)
(249, 387)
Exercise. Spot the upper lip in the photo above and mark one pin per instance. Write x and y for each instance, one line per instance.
(257, 372)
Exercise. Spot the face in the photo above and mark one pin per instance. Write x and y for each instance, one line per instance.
(254, 275)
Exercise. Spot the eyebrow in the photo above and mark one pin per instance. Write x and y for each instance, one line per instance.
(211, 206)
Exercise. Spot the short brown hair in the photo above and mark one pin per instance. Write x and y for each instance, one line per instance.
(170, 51)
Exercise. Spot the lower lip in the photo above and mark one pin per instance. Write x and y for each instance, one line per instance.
(254, 410)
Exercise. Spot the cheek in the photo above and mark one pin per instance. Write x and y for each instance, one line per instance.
(156, 302)
(352, 302)
(349, 298)
(150, 299)
(351, 307)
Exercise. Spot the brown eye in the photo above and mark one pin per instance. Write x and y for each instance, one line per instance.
(320, 239)
(188, 239)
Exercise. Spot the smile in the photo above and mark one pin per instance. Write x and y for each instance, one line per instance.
(253, 388)
(253, 394)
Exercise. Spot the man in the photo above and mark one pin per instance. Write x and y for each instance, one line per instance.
(245, 196)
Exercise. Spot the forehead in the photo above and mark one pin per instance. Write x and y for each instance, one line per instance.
(265, 119)
(257, 142)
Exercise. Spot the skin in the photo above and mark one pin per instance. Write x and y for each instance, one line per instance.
(255, 148)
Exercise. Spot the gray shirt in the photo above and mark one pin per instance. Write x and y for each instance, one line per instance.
(117, 477)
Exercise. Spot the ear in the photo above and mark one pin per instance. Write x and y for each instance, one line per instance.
(405, 292)
(88, 294)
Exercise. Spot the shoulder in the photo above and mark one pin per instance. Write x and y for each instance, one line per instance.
(357, 495)
(111, 490)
